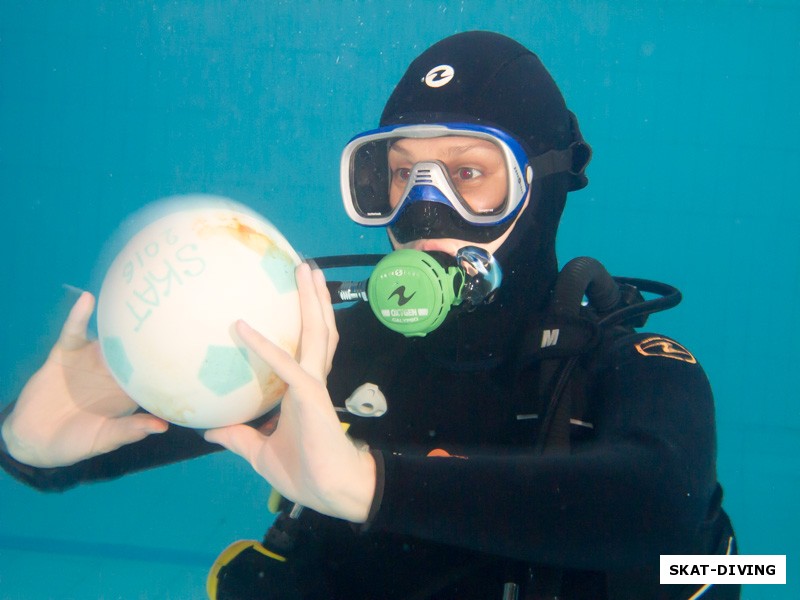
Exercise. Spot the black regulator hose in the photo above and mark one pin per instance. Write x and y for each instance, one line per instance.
(584, 276)
(346, 291)
(615, 299)
(349, 260)
(668, 296)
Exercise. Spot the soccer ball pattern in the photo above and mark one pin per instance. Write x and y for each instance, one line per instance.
(169, 303)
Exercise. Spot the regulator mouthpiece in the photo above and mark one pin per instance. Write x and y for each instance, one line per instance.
(412, 292)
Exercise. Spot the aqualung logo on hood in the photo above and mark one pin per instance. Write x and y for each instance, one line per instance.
(439, 76)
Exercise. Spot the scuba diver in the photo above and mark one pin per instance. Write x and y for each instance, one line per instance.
(483, 426)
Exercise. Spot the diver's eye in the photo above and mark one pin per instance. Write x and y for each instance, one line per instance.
(467, 173)
(402, 174)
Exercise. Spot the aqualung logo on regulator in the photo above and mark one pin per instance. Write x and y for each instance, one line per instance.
(402, 299)
(439, 76)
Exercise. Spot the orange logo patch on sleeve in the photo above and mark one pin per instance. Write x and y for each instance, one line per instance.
(665, 348)
(439, 452)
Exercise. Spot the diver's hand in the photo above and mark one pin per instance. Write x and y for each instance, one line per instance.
(72, 408)
(308, 458)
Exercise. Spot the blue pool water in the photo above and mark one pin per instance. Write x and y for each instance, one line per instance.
(691, 107)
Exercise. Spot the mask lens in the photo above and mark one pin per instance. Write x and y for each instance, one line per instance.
(479, 174)
(370, 179)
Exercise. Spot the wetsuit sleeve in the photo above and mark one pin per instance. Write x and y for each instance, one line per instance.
(176, 444)
(642, 487)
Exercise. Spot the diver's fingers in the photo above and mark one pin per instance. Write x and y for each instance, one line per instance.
(328, 316)
(126, 430)
(307, 392)
(283, 363)
(315, 335)
(73, 333)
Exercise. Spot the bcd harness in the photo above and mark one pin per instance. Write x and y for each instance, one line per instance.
(587, 304)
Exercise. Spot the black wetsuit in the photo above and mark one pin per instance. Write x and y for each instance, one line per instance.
(637, 478)
(464, 504)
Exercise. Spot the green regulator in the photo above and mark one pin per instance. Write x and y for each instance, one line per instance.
(412, 292)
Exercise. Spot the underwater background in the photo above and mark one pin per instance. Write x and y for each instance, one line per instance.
(692, 108)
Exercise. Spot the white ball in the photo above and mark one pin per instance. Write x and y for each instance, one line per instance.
(169, 303)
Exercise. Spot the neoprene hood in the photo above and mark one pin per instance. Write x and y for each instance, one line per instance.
(487, 78)
(495, 81)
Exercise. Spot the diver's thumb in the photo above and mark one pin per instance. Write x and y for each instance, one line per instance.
(127, 430)
(239, 439)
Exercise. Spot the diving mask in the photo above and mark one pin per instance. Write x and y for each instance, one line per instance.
(380, 178)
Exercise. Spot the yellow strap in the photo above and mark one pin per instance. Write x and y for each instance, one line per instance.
(228, 555)
(274, 502)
